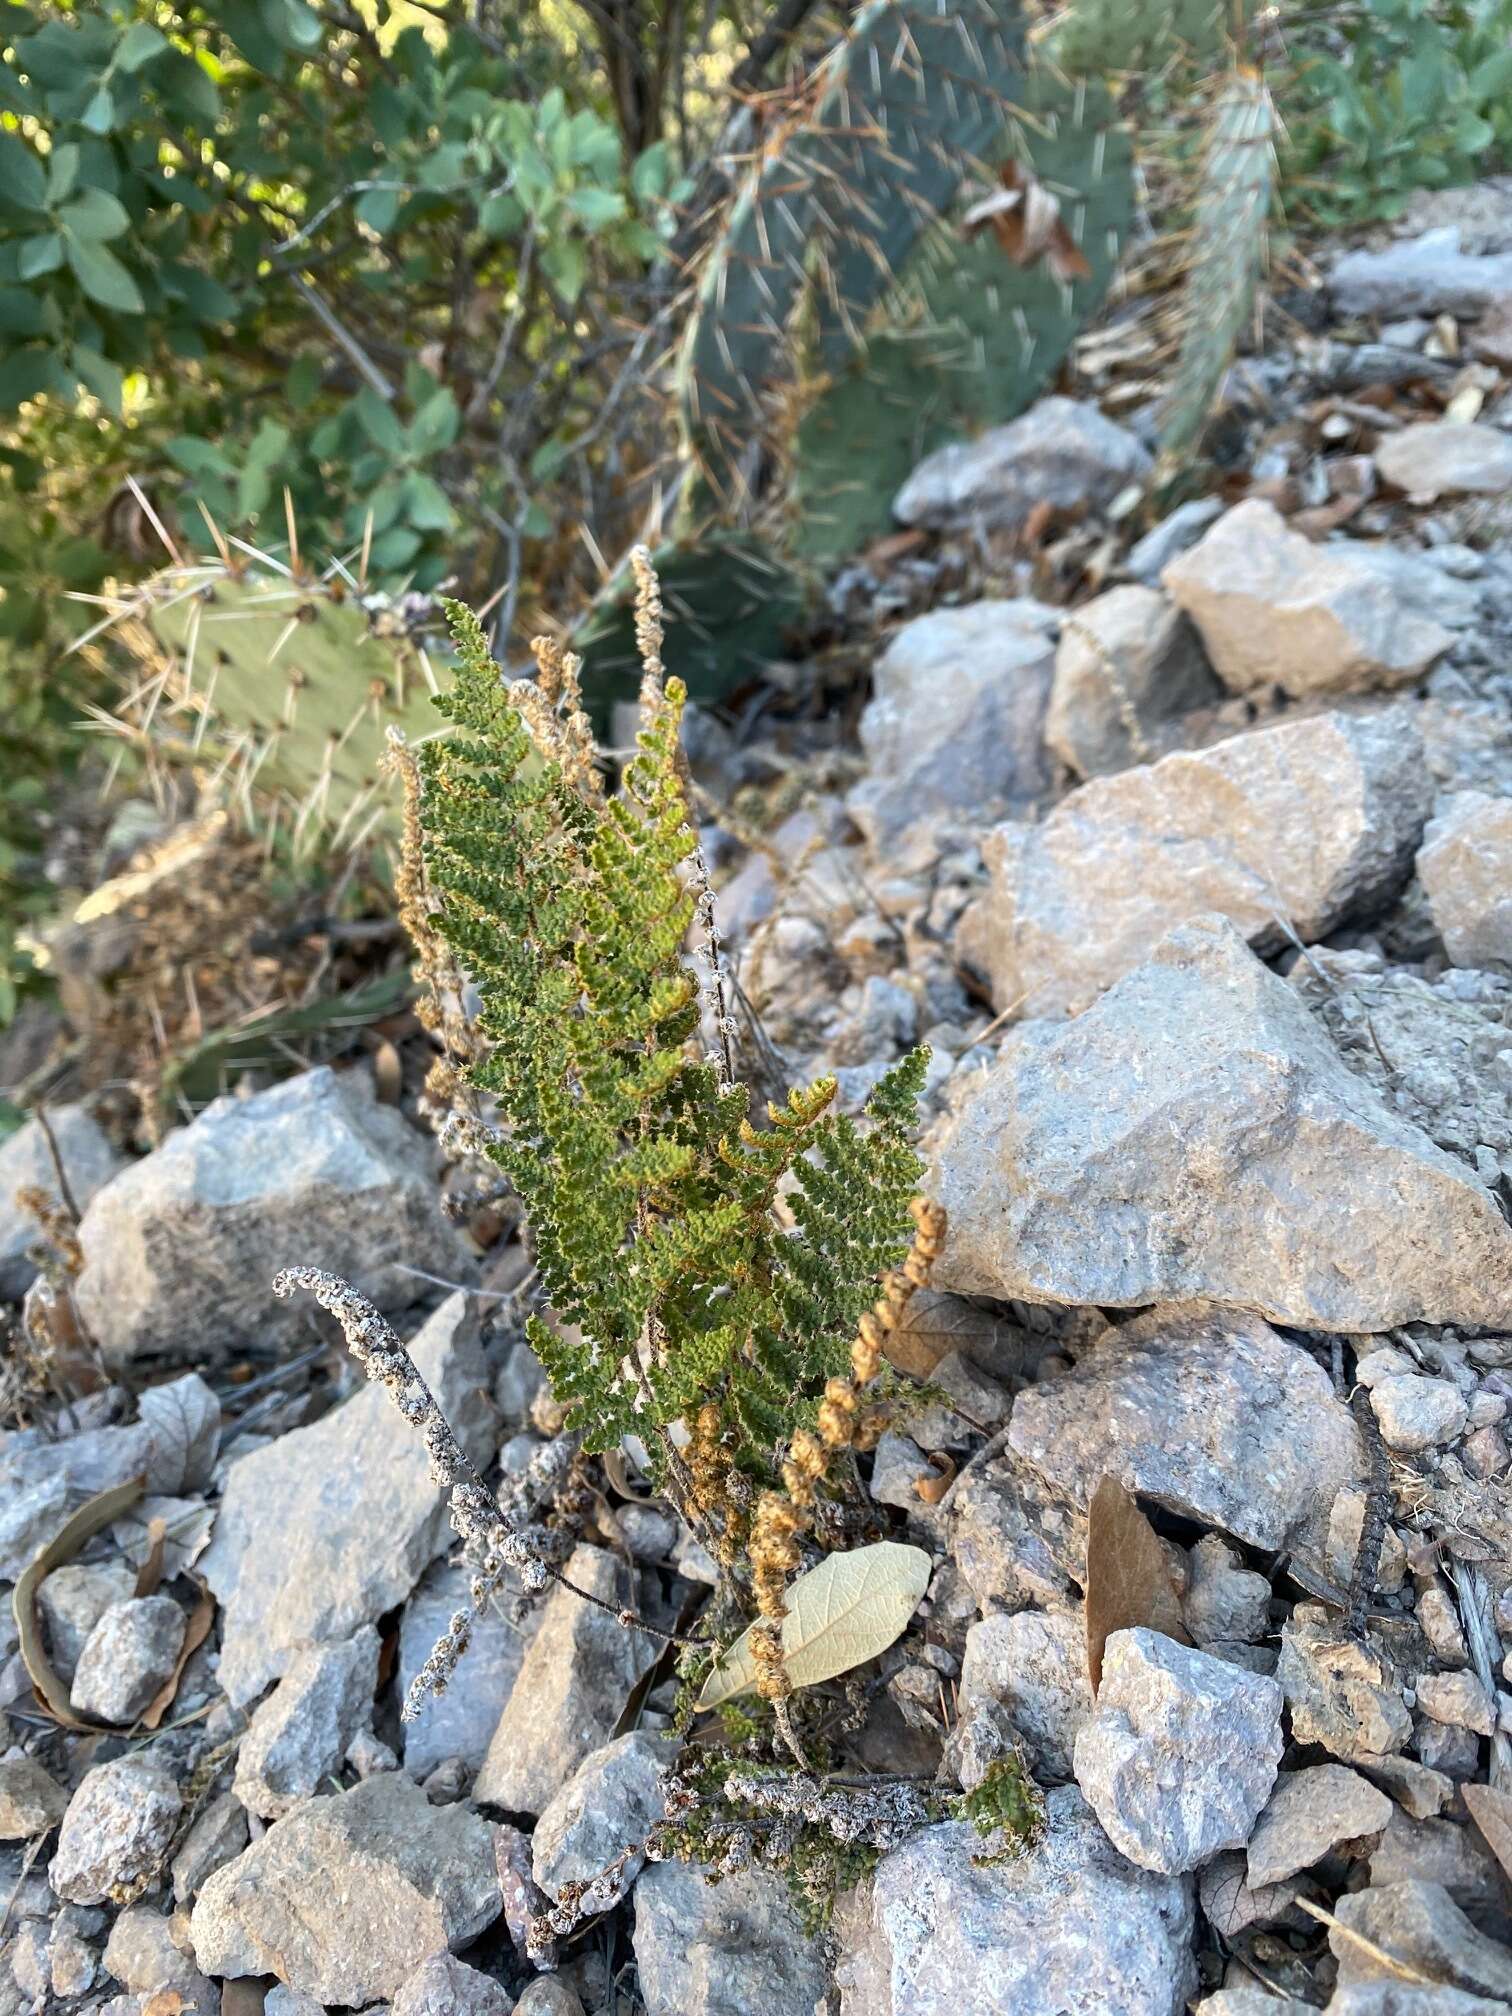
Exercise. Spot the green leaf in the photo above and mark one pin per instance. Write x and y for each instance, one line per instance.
(565, 264)
(596, 207)
(425, 503)
(21, 312)
(436, 424)
(651, 173)
(138, 46)
(107, 381)
(378, 208)
(25, 373)
(380, 423)
(395, 549)
(95, 215)
(39, 255)
(500, 214)
(103, 277)
(302, 381)
(62, 171)
(23, 180)
(98, 115)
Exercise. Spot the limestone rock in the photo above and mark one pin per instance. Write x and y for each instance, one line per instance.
(1311, 1812)
(955, 732)
(1340, 1694)
(1275, 610)
(217, 1837)
(722, 1950)
(179, 1249)
(129, 1654)
(447, 1986)
(1189, 1138)
(1127, 662)
(1439, 458)
(1305, 825)
(1416, 1412)
(1014, 1541)
(898, 1468)
(300, 1734)
(1404, 1998)
(460, 1722)
(117, 1829)
(1069, 1925)
(547, 1996)
(1465, 866)
(89, 1162)
(73, 1599)
(1458, 1700)
(327, 1527)
(1421, 1924)
(609, 1804)
(1184, 526)
(141, 1954)
(1180, 1754)
(348, 1895)
(1225, 1602)
(1035, 1665)
(573, 1682)
(1427, 275)
(42, 1481)
(1061, 452)
(31, 1801)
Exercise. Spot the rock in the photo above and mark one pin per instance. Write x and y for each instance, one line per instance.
(1013, 1542)
(368, 1755)
(179, 1249)
(1061, 452)
(1439, 458)
(142, 1956)
(1127, 662)
(127, 1658)
(283, 2001)
(1068, 1925)
(1275, 610)
(116, 1832)
(73, 1599)
(1443, 1851)
(546, 1997)
(302, 1731)
(609, 1804)
(447, 1986)
(955, 730)
(729, 1949)
(1465, 867)
(1438, 1617)
(1311, 1812)
(326, 1528)
(42, 1481)
(31, 1802)
(1419, 1792)
(1340, 1694)
(1225, 1603)
(1302, 825)
(1417, 1413)
(572, 1685)
(1343, 1544)
(1180, 1754)
(1421, 1924)
(1209, 1413)
(1458, 1700)
(1403, 1998)
(217, 1837)
(460, 1722)
(348, 1895)
(1188, 1138)
(1448, 1748)
(1428, 275)
(1035, 1665)
(26, 1163)
(1172, 536)
(898, 1468)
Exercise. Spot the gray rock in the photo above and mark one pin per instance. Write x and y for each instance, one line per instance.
(955, 731)
(461, 1721)
(1422, 587)
(729, 1949)
(1340, 1694)
(283, 2001)
(1034, 1664)
(447, 1986)
(1416, 1412)
(609, 1804)
(1419, 1792)
(1275, 610)
(1225, 1602)
(217, 1837)
(89, 1162)
(142, 1956)
(1209, 1413)
(42, 1481)
(898, 1467)
(127, 1657)
(73, 1599)
(1172, 536)
(347, 1896)
(1343, 1544)
(1421, 1924)
(1126, 664)
(1448, 1748)
(31, 1801)
(1444, 1851)
(1069, 1925)
(326, 1528)
(1458, 1700)
(1302, 825)
(302, 1731)
(1403, 1998)
(1061, 452)
(1188, 1138)
(1311, 1812)
(1439, 458)
(1014, 1541)
(1465, 866)
(546, 1997)
(1428, 275)
(179, 1249)
(1180, 1754)
(118, 1828)
(572, 1685)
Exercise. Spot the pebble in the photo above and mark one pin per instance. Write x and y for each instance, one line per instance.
(31, 1800)
(1417, 1413)
(1457, 1699)
(1311, 1812)
(127, 1659)
(117, 1831)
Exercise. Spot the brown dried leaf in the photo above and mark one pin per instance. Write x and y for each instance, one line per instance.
(1026, 221)
(150, 1574)
(1127, 1581)
(1492, 1813)
(934, 1324)
(91, 1518)
(200, 1619)
(933, 1489)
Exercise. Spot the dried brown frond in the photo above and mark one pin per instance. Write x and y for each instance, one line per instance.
(649, 634)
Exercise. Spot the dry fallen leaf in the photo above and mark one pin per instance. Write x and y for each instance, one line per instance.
(1127, 1580)
(935, 1323)
(933, 1489)
(195, 1633)
(1492, 1813)
(840, 1614)
(91, 1518)
(1026, 221)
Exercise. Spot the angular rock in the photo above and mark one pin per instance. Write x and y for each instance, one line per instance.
(460, 1722)
(1421, 1924)
(1189, 1138)
(1126, 664)
(1172, 536)
(31, 1801)
(1427, 275)
(142, 1956)
(1405, 1998)
(348, 1895)
(1061, 452)
(1275, 610)
(1465, 867)
(447, 1986)
(179, 1249)
(42, 1481)
(572, 1685)
(1417, 1413)
(1421, 1793)
(1439, 458)
(118, 1827)
(217, 1837)
(26, 1163)
(1034, 1664)
(1069, 1925)
(1180, 1754)
(1458, 1700)
(609, 1804)
(1342, 1546)
(1014, 1542)
(898, 1468)
(546, 1996)
(327, 1527)
(73, 1599)
(1446, 1852)
(955, 732)
(1225, 1603)
(1340, 1694)
(300, 1734)
(1302, 825)
(1310, 1813)
(128, 1656)
(715, 1950)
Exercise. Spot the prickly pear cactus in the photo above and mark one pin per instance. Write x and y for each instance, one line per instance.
(1102, 38)
(967, 338)
(899, 108)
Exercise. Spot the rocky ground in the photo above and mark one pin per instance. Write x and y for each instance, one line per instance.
(1190, 856)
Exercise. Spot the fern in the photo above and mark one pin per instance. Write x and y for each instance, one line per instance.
(691, 1259)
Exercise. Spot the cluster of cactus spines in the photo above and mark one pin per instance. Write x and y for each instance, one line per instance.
(831, 210)
(1225, 257)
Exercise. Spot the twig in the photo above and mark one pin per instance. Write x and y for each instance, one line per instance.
(342, 335)
(1399, 1969)
(70, 1204)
